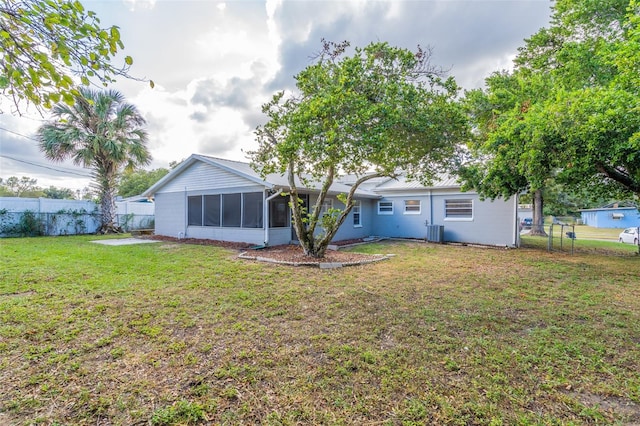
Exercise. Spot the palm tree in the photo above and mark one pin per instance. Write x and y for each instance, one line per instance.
(102, 132)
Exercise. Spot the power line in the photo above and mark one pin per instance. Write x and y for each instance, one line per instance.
(45, 167)
(19, 134)
(57, 169)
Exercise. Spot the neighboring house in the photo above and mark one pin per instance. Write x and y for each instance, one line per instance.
(525, 211)
(211, 198)
(621, 214)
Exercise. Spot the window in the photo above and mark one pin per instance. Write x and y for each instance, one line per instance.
(228, 210)
(357, 218)
(326, 205)
(231, 210)
(252, 210)
(194, 211)
(279, 212)
(411, 206)
(385, 207)
(212, 210)
(458, 209)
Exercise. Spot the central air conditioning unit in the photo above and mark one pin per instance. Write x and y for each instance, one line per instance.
(435, 233)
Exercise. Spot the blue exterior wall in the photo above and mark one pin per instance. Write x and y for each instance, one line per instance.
(492, 222)
(401, 224)
(604, 218)
(348, 231)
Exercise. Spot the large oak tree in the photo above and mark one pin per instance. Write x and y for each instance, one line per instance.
(569, 110)
(377, 112)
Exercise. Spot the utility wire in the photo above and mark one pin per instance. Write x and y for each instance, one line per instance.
(46, 167)
(38, 164)
(18, 134)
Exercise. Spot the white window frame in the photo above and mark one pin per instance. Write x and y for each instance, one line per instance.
(458, 218)
(385, 212)
(327, 204)
(357, 210)
(410, 207)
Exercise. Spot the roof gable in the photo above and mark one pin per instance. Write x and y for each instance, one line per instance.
(244, 171)
(199, 172)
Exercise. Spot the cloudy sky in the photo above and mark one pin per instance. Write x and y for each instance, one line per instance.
(215, 63)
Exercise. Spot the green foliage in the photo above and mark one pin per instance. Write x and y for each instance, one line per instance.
(102, 132)
(20, 187)
(370, 114)
(45, 43)
(569, 111)
(133, 183)
(563, 200)
(181, 413)
(58, 193)
(29, 224)
(591, 113)
(26, 187)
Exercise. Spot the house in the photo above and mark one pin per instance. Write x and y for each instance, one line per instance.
(212, 198)
(407, 209)
(620, 214)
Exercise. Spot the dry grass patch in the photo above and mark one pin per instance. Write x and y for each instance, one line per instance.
(182, 334)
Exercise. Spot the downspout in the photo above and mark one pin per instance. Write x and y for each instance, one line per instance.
(431, 206)
(182, 235)
(265, 214)
(516, 235)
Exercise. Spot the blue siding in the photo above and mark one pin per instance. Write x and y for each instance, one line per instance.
(492, 223)
(399, 224)
(610, 218)
(348, 231)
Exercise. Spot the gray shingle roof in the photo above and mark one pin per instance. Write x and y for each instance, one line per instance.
(244, 169)
(402, 183)
(369, 189)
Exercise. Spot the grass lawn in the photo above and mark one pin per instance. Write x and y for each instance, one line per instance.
(164, 334)
(589, 232)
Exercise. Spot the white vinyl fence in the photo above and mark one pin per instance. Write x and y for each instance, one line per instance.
(45, 216)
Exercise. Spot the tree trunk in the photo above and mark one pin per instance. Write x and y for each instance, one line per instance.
(109, 212)
(537, 225)
(312, 245)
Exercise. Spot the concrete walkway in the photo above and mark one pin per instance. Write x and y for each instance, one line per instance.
(124, 241)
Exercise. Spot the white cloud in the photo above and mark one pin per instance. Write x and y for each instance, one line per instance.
(134, 5)
(215, 62)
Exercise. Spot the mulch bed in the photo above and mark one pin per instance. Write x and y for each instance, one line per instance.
(294, 255)
(284, 254)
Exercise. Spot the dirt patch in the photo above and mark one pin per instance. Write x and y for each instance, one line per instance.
(200, 242)
(620, 406)
(294, 255)
(15, 295)
(285, 254)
